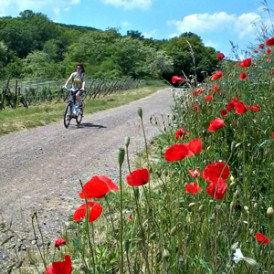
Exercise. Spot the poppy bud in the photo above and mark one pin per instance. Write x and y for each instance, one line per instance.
(140, 112)
(173, 230)
(191, 204)
(270, 212)
(127, 141)
(121, 156)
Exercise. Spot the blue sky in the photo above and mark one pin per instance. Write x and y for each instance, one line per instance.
(216, 22)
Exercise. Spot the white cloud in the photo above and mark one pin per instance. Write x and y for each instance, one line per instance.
(125, 24)
(242, 25)
(150, 34)
(129, 4)
(210, 43)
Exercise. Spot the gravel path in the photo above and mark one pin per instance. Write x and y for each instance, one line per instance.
(40, 168)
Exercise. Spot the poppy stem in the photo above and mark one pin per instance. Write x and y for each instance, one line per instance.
(87, 228)
(34, 216)
(143, 235)
(111, 215)
(121, 155)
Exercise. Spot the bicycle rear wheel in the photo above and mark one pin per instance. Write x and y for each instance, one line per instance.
(67, 115)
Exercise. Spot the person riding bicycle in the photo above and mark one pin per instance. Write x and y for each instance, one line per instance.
(77, 79)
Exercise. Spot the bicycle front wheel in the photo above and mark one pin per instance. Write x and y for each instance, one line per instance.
(67, 115)
(79, 118)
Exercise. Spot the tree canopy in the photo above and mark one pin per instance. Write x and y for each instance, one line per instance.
(31, 45)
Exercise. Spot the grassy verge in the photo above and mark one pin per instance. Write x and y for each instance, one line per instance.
(12, 120)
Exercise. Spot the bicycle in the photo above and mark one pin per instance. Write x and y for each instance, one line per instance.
(72, 110)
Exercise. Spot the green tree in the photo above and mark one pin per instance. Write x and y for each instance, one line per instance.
(38, 65)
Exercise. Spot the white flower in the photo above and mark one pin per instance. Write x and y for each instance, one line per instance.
(237, 255)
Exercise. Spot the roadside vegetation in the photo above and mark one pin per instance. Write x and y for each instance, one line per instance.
(21, 118)
(198, 199)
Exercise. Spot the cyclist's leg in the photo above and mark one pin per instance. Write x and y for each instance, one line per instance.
(78, 97)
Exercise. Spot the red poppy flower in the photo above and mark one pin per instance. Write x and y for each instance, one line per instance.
(262, 239)
(195, 146)
(138, 177)
(97, 187)
(230, 105)
(176, 152)
(272, 134)
(130, 218)
(270, 42)
(261, 46)
(216, 88)
(197, 91)
(192, 188)
(196, 107)
(224, 112)
(254, 108)
(268, 51)
(220, 56)
(217, 75)
(217, 189)
(179, 133)
(216, 170)
(175, 79)
(194, 173)
(246, 63)
(95, 210)
(208, 98)
(59, 242)
(61, 267)
(216, 124)
(243, 76)
(240, 108)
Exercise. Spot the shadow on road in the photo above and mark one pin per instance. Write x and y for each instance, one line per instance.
(89, 125)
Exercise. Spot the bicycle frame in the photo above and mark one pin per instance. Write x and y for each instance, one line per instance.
(71, 111)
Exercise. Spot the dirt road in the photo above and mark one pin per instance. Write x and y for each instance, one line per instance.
(40, 168)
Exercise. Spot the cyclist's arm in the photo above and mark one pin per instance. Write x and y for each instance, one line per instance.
(68, 80)
(83, 85)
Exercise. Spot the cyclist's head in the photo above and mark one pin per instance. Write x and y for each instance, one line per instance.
(81, 67)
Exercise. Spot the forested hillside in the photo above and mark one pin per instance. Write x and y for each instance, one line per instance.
(32, 46)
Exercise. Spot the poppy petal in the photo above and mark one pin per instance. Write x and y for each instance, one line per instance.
(95, 210)
(216, 124)
(97, 187)
(216, 170)
(261, 238)
(217, 189)
(176, 152)
(195, 145)
(138, 177)
(192, 188)
(60, 267)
